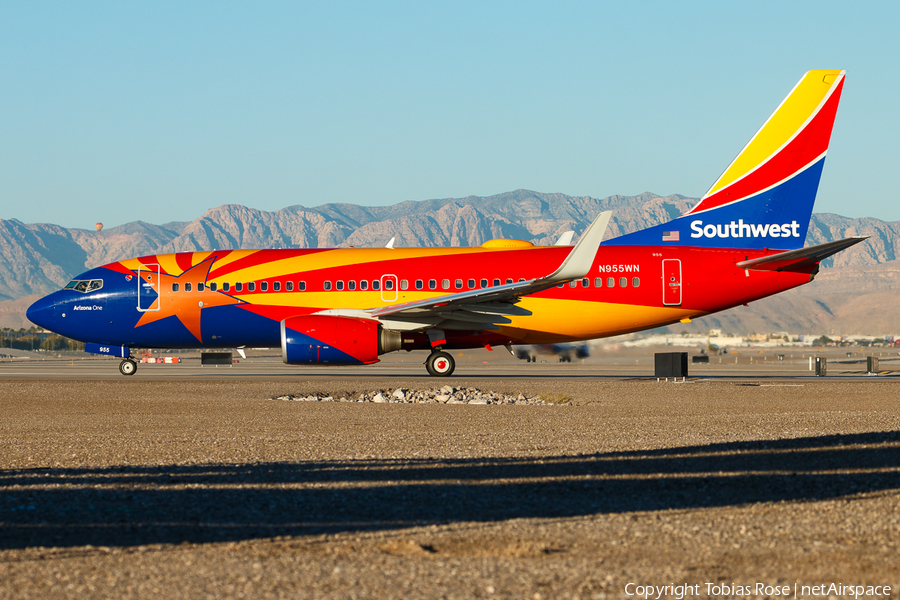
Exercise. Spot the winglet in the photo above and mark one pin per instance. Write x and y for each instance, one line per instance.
(390, 244)
(578, 262)
(576, 265)
(565, 239)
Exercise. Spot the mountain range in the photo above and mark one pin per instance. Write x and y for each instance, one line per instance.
(40, 257)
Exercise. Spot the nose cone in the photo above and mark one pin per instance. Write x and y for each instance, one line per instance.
(43, 312)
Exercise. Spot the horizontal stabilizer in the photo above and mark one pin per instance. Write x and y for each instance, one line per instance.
(803, 260)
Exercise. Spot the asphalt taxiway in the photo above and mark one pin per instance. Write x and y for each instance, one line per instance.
(472, 366)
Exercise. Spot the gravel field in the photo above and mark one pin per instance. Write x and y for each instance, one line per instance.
(210, 489)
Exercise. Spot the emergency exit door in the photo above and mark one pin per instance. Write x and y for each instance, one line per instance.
(671, 268)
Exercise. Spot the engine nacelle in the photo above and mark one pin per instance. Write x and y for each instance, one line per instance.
(333, 340)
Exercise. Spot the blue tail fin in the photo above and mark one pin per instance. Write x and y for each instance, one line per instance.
(764, 199)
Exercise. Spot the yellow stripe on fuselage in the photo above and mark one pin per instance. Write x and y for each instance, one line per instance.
(553, 319)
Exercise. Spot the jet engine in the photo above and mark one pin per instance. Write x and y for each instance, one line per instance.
(334, 340)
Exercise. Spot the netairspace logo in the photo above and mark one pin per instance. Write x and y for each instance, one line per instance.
(684, 590)
(738, 229)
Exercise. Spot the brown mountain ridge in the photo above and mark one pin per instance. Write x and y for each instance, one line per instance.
(38, 258)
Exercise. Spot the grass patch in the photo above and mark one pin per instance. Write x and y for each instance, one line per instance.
(555, 398)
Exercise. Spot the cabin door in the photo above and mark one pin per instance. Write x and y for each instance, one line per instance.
(389, 291)
(671, 268)
(148, 288)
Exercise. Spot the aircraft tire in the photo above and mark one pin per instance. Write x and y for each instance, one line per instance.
(127, 367)
(440, 364)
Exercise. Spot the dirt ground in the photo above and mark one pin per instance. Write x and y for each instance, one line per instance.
(196, 489)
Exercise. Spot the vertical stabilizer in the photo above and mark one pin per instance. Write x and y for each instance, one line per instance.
(764, 199)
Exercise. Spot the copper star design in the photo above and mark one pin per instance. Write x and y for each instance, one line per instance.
(186, 306)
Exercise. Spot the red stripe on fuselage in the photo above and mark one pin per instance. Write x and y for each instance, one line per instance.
(261, 257)
(711, 281)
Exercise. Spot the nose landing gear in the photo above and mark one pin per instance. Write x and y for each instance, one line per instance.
(127, 367)
(440, 364)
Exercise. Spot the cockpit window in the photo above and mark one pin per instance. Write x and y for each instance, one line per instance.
(84, 286)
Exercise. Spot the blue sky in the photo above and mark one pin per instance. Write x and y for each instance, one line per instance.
(157, 111)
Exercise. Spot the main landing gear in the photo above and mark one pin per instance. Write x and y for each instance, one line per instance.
(440, 364)
(127, 367)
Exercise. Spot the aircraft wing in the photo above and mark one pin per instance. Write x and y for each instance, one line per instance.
(803, 260)
(488, 307)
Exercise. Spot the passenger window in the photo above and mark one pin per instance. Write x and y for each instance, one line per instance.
(636, 281)
(187, 286)
(419, 284)
(339, 286)
(251, 287)
(508, 280)
(239, 287)
(351, 285)
(598, 282)
(276, 286)
(289, 286)
(496, 282)
(363, 285)
(458, 284)
(562, 285)
(623, 282)
(445, 284)
(175, 287)
(376, 285)
(610, 282)
(432, 284)
(521, 279)
(573, 283)
(226, 286)
(327, 286)
(484, 283)
(404, 284)
(471, 284)
(213, 286)
(388, 284)
(301, 285)
(201, 286)
(585, 282)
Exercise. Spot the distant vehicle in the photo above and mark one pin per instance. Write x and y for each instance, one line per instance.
(562, 352)
(742, 242)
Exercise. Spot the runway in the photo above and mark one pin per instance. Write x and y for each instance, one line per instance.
(189, 481)
(472, 366)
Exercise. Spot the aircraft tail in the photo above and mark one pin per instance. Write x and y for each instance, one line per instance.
(764, 199)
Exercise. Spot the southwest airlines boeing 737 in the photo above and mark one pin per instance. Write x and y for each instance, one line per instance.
(743, 241)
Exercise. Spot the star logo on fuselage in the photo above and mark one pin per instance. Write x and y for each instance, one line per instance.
(186, 306)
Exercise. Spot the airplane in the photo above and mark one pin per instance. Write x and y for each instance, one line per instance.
(347, 306)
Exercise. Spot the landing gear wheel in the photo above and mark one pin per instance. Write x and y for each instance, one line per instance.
(127, 367)
(440, 364)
